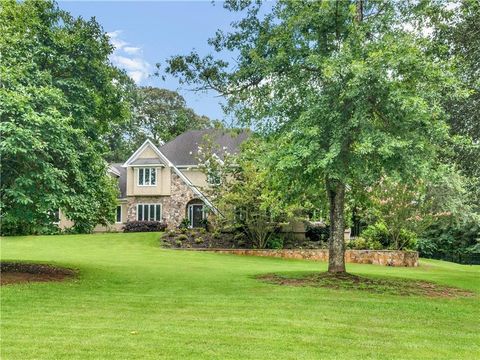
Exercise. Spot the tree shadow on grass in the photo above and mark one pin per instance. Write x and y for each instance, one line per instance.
(376, 285)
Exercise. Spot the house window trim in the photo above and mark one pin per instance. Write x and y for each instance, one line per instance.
(155, 207)
(121, 215)
(144, 168)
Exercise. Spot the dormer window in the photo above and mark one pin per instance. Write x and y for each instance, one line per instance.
(147, 176)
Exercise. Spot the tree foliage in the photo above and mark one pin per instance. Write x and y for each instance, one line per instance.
(240, 191)
(345, 89)
(159, 115)
(58, 98)
(456, 38)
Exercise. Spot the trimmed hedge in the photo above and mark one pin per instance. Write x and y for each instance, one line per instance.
(144, 226)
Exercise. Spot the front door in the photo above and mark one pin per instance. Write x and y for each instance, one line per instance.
(196, 215)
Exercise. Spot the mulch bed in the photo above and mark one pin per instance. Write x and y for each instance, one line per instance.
(14, 273)
(202, 239)
(402, 287)
(197, 239)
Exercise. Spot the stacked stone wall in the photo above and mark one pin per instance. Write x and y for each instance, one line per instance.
(378, 257)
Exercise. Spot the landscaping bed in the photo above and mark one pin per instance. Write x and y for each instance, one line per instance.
(200, 238)
(13, 273)
(402, 287)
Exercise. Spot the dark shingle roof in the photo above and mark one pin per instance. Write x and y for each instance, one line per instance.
(122, 181)
(183, 150)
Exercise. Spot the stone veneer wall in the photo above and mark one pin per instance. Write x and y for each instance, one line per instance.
(173, 206)
(378, 257)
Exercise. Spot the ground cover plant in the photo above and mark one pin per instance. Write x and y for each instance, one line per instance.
(133, 299)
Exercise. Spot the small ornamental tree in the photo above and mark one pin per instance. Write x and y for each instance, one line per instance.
(346, 90)
(238, 187)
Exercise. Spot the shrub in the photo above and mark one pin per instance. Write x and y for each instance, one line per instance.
(448, 242)
(239, 238)
(171, 233)
(407, 240)
(199, 240)
(360, 243)
(144, 226)
(182, 237)
(205, 224)
(241, 243)
(178, 243)
(217, 235)
(378, 237)
(357, 244)
(377, 233)
(275, 242)
(184, 224)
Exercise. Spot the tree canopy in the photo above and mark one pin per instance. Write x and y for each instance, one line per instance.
(59, 97)
(346, 90)
(159, 115)
(456, 38)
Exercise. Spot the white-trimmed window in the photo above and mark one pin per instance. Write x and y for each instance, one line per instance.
(118, 218)
(147, 176)
(149, 212)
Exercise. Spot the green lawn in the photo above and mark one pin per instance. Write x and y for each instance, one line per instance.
(133, 300)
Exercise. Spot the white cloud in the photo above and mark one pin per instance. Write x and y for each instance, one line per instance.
(129, 58)
(131, 50)
(118, 43)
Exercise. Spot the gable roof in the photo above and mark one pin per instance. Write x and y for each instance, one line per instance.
(148, 143)
(183, 150)
(122, 179)
(139, 151)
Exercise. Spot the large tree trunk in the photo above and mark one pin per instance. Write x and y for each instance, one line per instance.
(336, 242)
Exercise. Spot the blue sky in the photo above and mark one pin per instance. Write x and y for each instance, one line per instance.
(146, 33)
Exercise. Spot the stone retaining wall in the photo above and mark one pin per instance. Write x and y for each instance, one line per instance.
(377, 257)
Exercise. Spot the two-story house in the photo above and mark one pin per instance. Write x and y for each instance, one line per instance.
(165, 183)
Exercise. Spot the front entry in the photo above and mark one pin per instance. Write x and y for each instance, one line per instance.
(196, 214)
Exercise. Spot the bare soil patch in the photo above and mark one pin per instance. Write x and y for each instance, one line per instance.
(14, 273)
(401, 287)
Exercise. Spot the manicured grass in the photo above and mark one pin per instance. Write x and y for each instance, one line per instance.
(133, 300)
